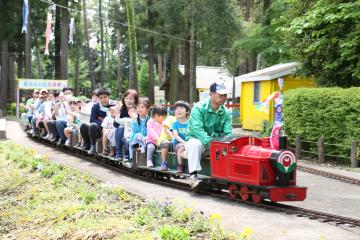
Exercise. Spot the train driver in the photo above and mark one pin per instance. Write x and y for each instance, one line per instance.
(209, 118)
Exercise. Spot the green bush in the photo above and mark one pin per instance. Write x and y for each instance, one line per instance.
(266, 129)
(143, 217)
(49, 171)
(11, 108)
(58, 179)
(167, 232)
(88, 197)
(330, 112)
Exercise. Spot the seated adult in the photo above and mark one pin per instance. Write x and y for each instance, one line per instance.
(92, 131)
(209, 118)
(64, 109)
(131, 98)
(29, 106)
(39, 109)
(55, 114)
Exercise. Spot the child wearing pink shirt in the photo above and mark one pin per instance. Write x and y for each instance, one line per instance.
(154, 127)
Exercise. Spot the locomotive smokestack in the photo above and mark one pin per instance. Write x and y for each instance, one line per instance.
(283, 142)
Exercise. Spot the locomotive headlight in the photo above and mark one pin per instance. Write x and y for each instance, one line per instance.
(286, 162)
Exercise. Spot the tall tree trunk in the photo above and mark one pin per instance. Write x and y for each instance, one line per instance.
(78, 44)
(77, 72)
(193, 91)
(160, 68)
(151, 69)
(38, 60)
(266, 6)
(4, 75)
(250, 17)
(20, 65)
(165, 68)
(28, 46)
(130, 12)
(57, 33)
(186, 79)
(102, 71)
(120, 63)
(249, 10)
(174, 69)
(151, 52)
(12, 82)
(251, 62)
(265, 21)
(64, 41)
(87, 41)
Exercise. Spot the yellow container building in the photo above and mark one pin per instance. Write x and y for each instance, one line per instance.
(257, 86)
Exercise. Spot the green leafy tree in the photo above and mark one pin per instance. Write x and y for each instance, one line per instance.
(326, 40)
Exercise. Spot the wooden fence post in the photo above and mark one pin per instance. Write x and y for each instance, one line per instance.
(298, 147)
(354, 161)
(321, 145)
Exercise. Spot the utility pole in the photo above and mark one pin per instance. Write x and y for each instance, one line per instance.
(193, 93)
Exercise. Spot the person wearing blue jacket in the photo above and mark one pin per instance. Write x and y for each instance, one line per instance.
(138, 126)
(91, 132)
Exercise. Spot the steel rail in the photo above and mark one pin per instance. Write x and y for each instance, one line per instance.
(322, 173)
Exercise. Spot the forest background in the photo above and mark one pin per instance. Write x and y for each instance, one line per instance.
(138, 44)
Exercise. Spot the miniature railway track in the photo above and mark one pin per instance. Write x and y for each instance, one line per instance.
(162, 179)
(328, 175)
(297, 211)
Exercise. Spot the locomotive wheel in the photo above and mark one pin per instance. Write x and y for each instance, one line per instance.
(244, 193)
(256, 198)
(233, 191)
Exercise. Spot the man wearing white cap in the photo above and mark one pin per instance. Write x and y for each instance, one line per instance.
(209, 118)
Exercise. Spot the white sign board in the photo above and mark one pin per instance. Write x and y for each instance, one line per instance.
(48, 84)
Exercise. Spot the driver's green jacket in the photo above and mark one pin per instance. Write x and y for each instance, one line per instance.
(205, 124)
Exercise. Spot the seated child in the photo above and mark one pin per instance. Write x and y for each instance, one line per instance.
(126, 123)
(138, 126)
(123, 132)
(154, 127)
(164, 141)
(182, 112)
(73, 121)
(108, 131)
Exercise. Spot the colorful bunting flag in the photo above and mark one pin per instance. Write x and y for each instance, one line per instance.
(48, 33)
(278, 118)
(264, 105)
(281, 83)
(72, 30)
(25, 16)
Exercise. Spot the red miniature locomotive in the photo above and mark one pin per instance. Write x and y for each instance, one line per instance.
(250, 167)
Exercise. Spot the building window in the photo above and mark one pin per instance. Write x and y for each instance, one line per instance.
(257, 92)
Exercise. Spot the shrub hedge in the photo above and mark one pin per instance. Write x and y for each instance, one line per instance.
(330, 112)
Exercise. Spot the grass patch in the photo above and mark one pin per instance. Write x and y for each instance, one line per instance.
(42, 200)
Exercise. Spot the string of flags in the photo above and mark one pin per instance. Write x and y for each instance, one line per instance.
(25, 13)
(72, 30)
(276, 96)
(48, 33)
(278, 116)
